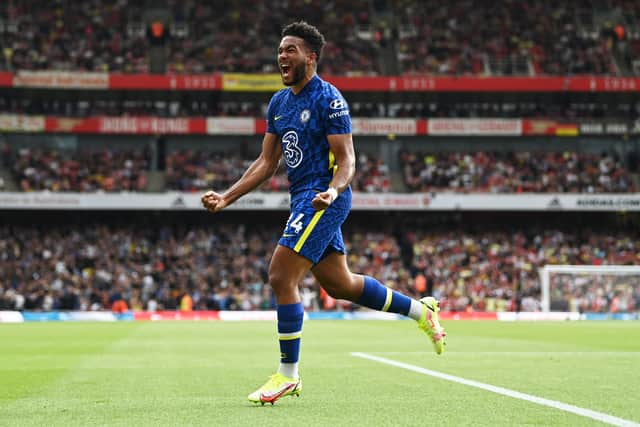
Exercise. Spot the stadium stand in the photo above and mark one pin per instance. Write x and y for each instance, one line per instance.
(527, 38)
(189, 170)
(192, 170)
(504, 39)
(515, 172)
(91, 265)
(250, 30)
(81, 171)
(118, 131)
(94, 36)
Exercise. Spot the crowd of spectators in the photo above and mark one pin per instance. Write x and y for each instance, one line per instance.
(372, 175)
(107, 170)
(437, 38)
(503, 38)
(459, 37)
(225, 265)
(66, 36)
(243, 36)
(515, 172)
(594, 293)
(197, 170)
(203, 37)
(495, 270)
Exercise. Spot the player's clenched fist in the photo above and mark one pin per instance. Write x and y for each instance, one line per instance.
(324, 199)
(213, 202)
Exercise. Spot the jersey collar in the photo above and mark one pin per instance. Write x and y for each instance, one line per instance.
(315, 80)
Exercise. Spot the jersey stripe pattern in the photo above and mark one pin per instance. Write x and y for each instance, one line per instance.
(302, 122)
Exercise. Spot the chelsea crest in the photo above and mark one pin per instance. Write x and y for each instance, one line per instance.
(305, 115)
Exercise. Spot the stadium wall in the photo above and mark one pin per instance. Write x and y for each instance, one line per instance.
(242, 82)
(231, 316)
(150, 125)
(581, 202)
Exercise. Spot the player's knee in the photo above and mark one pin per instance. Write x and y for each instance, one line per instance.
(279, 282)
(346, 289)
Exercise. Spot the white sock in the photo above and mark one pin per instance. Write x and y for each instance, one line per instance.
(415, 311)
(289, 370)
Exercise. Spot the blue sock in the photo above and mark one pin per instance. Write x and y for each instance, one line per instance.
(290, 318)
(378, 297)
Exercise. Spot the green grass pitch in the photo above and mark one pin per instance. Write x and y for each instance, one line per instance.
(190, 373)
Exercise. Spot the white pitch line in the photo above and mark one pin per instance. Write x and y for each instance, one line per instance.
(599, 416)
(524, 353)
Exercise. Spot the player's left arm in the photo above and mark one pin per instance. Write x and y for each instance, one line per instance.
(342, 147)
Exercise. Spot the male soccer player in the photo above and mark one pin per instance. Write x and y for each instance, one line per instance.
(308, 124)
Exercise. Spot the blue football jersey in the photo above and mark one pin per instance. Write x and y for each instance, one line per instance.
(303, 122)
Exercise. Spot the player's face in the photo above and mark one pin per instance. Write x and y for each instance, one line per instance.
(292, 60)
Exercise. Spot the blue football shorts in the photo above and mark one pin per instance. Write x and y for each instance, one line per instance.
(314, 234)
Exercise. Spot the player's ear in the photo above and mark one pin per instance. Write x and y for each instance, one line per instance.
(312, 57)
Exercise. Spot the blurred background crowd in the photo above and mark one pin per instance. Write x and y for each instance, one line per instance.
(471, 261)
(152, 264)
(367, 37)
(194, 170)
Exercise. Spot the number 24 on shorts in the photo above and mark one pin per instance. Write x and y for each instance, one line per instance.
(296, 225)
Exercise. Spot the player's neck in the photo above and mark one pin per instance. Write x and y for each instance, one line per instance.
(296, 89)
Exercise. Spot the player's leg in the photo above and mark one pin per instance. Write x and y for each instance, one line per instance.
(285, 273)
(306, 236)
(335, 277)
(339, 282)
(286, 270)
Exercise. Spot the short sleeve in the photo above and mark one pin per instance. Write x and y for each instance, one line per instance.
(337, 116)
(271, 128)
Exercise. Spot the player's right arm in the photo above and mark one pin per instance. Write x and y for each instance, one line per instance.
(260, 170)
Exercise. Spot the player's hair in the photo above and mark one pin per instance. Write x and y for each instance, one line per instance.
(307, 32)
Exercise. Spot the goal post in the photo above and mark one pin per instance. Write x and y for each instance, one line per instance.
(579, 270)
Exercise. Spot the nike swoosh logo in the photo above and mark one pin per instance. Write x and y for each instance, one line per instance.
(288, 235)
(277, 118)
(272, 397)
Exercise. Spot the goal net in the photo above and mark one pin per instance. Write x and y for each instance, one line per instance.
(590, 288)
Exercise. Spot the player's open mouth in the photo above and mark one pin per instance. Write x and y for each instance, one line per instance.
(285, 69)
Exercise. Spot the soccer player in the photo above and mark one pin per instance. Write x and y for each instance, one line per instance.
(308, 123)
